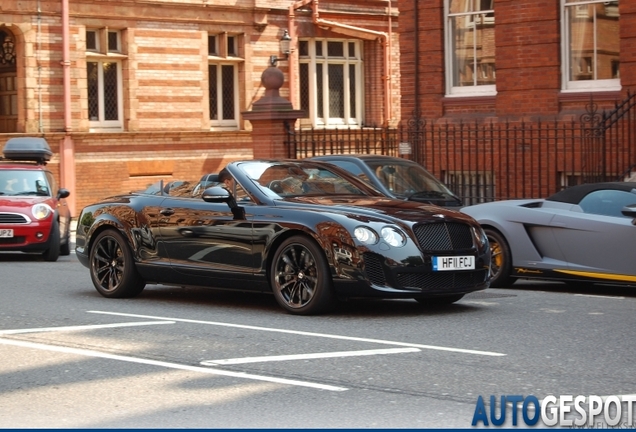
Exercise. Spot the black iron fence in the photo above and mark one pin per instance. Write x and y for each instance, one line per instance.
(498, 160)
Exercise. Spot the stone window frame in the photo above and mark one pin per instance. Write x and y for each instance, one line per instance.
(351, 61)
(483, 17)
(569, 7)
(104, 46)
(225, 52)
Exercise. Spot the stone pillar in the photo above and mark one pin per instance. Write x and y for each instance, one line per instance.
(270, 116)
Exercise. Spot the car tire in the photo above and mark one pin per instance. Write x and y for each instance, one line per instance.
(501, 260)
(65, 247)
(53, 252)
(300, 277)
(112, 266)
(439, 301)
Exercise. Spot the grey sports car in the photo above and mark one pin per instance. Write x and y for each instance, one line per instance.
(583, 234)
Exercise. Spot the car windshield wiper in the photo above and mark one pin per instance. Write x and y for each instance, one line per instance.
(427, 194)
(30, 193)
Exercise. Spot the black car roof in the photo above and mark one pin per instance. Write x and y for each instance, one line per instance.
(574, 194)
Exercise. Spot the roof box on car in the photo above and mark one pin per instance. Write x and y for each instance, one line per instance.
(27, 149)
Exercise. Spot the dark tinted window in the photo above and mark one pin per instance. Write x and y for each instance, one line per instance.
(607, 202)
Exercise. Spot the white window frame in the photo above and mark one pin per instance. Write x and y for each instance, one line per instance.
(100, 55)
(612, 84)
(449, 37)
(350, 119)
(218, 57)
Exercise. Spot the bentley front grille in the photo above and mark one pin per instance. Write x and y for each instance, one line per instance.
(435, 281)
(444, 236)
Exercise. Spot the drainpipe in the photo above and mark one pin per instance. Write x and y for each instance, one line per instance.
(67, 151)
(383, 37)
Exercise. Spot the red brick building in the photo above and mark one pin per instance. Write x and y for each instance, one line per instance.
(127, 92)
(514, 58)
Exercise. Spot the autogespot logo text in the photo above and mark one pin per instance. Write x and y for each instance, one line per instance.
(563, 411)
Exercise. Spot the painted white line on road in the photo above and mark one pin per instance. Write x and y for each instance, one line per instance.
(303, 333)
(98, 354)
(83, 327)
(601, 296)
(261, 359)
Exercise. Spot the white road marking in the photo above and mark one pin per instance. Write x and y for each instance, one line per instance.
(92, 353)
(83, 327)
(307, 356)
(303, 333)
(601, 296)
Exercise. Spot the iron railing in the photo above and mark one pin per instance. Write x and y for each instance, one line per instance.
(497, 160)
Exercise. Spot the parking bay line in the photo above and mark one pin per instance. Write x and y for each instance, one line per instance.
(205, 370)
(261, 359)
(83, 327)
(303, 333)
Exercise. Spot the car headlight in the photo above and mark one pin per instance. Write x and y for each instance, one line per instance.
(393, 236)
(480, 236)
(365, 235)
(41, 211)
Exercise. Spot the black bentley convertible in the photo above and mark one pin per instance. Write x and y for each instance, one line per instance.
(307, 231)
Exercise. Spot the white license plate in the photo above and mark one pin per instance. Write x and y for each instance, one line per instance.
(453, 263)
(6, 233)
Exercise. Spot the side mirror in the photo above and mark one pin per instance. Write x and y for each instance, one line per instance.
(630, 211)
(63, 193)
(216, 194)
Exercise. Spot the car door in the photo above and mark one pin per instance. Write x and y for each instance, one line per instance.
(205, 240)
(598, 239)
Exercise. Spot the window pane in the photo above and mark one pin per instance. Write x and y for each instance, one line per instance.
(463, 53)
(319, 92)
(91, 40)
(352, 91)
(214, 111)
(231, 46)
(113, 42)
(336, 91)
(318, 48)
(211, 45)
(304, 88)
(111, 111)
(303, 48)
(227, 77)
(335, 49)
(93, 91)
(594, 41)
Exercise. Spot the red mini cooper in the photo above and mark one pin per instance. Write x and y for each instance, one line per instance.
(34, 216)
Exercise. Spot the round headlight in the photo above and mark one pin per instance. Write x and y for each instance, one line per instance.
(393, 236)
(41, 211)
(366, 235)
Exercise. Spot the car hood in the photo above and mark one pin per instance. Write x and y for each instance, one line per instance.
(377, 206)
(23, 202)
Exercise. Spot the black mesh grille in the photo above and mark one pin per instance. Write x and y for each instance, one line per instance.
(444, 236)
(436, 281)
(9, 218)
(373, 269)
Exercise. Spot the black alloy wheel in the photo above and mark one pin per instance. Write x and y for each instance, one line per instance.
(112, 266)
(300, 277)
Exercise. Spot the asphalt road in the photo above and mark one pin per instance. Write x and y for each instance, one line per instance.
(198, 358)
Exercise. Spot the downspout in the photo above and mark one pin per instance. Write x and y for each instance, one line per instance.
(67, 151)
(383, 37)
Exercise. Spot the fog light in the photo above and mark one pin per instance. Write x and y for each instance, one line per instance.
(39, 235)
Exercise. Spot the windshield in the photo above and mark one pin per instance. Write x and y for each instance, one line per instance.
(23, 183)
(297, 179)
(408, 179)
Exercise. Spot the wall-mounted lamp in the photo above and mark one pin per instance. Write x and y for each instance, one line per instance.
(285, 42)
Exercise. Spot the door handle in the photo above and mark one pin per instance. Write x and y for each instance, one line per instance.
(167, 212)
